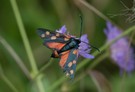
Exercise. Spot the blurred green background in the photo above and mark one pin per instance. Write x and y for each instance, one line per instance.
(52, 14)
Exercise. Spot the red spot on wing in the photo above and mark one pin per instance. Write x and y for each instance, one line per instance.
(54, 45)
(64, 58)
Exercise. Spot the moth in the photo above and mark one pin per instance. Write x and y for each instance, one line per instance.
(66, 47)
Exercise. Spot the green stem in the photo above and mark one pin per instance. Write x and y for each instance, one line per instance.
(122, 83)
(56, 84)
(45, 66)
(16, 57)
(94, 10)
(95, 62)
(98, 60)
(86, 61)
(126, 32)
(7, 81)
(24, 36)
(83, 74)
(26, 44)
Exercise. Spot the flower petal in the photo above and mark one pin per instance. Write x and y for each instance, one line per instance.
(84, 38)
(83, 46)
(112, 31)
(62, 30)
(85, 55)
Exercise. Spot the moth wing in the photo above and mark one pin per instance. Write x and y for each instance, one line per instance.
(53, 40)
(68, 62)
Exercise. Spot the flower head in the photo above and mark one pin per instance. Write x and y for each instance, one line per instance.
(84, 47)
(121, 52)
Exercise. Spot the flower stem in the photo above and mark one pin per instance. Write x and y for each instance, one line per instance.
(43, 68)
(94, 10)
(16, 57)
(122, 83)
(26, 44)
(104, 47)
(56, 84)
(23, 35)
(98, 60)
(7, 81)
(85, 62)
(95, 62)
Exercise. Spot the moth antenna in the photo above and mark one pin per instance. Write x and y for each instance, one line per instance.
(95, 48)
(91, 46)
(81, 23)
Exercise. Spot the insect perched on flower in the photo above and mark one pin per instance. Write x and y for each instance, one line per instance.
(66, 47)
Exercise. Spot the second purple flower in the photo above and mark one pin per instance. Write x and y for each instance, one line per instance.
(121, 51)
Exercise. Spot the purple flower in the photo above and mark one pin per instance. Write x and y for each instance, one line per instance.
(84, 47)
(121, 52)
